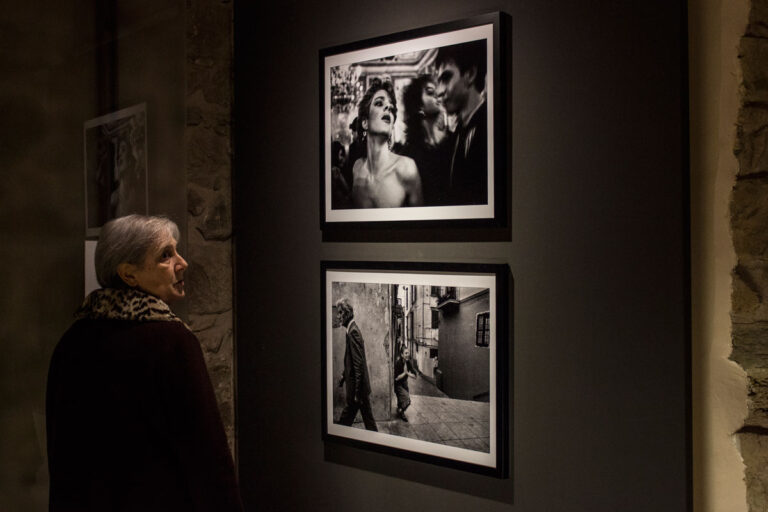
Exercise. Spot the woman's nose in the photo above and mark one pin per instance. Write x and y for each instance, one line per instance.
(181, 263)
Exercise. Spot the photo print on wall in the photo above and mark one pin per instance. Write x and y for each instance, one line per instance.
(115, 154)
(413, 126)
(415, 361)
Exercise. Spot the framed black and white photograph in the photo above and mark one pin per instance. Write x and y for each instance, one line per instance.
(413, 127)
(115, 154)
(415, 361)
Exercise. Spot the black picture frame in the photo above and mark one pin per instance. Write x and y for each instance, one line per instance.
(459, 412)
(347, 70)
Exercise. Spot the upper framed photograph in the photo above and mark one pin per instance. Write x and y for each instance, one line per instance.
(413, 127)
(415, 361)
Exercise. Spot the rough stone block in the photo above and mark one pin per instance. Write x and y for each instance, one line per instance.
(222, 183)
(194, 116)
(753, 52)
(752, 141)
(213, 338)
(218, 349)
(217, 223)
(211, 210)
(207, 155)
(754, 450)
(211, 24)
(758, 398)
(201, 322)
(210, 277)
(211, 80)
(195, 201)
(750, 344)
(222, 378)
(210, 115)
(208, 150)
(209, 50)
(749, 218)
(750, 289)
(757, 19)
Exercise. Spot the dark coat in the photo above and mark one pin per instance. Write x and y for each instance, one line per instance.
(355, 365)
(133, 423)
(434, 165)
(469, 169)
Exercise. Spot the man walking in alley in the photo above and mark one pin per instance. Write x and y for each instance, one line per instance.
(358, 387)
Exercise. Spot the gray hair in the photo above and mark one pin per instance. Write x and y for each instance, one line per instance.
(346, 309)
(128, 240)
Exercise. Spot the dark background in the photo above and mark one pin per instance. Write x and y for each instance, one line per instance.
(598, 251)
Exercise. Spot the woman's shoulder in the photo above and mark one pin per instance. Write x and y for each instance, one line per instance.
(117, 326)
(122, 339)
(359, 169)
(173, 333)
(167, 341)
(406, 167)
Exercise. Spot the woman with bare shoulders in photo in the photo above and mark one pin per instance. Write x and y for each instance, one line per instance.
(381, 178)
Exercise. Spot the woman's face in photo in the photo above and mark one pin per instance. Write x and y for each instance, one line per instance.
(429, 102)
(381, 116)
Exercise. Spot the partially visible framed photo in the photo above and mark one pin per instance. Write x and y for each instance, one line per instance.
(413, 127)
(415, 361)
(115, 154)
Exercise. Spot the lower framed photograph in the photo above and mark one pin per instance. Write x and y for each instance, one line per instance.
(415, 361)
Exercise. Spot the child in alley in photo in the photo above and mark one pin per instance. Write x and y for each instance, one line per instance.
(403, 370)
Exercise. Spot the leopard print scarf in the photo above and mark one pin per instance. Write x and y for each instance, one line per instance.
(125, 304)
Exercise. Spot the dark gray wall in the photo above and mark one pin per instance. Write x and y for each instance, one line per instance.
(598, 254)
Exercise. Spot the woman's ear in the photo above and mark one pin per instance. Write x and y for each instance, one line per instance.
(127, 273)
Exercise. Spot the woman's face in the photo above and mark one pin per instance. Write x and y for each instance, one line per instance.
(162, 273)
(429, 102)
(381, 116)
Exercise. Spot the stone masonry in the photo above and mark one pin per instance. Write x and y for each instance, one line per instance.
(208, 144)
(749, 224)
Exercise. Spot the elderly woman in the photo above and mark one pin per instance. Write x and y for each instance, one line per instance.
(381, 178)
(132, 419)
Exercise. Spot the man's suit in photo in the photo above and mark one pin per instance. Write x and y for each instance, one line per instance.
(358, 386)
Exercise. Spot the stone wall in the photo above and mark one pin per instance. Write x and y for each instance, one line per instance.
(209, 193)
(749, 222)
